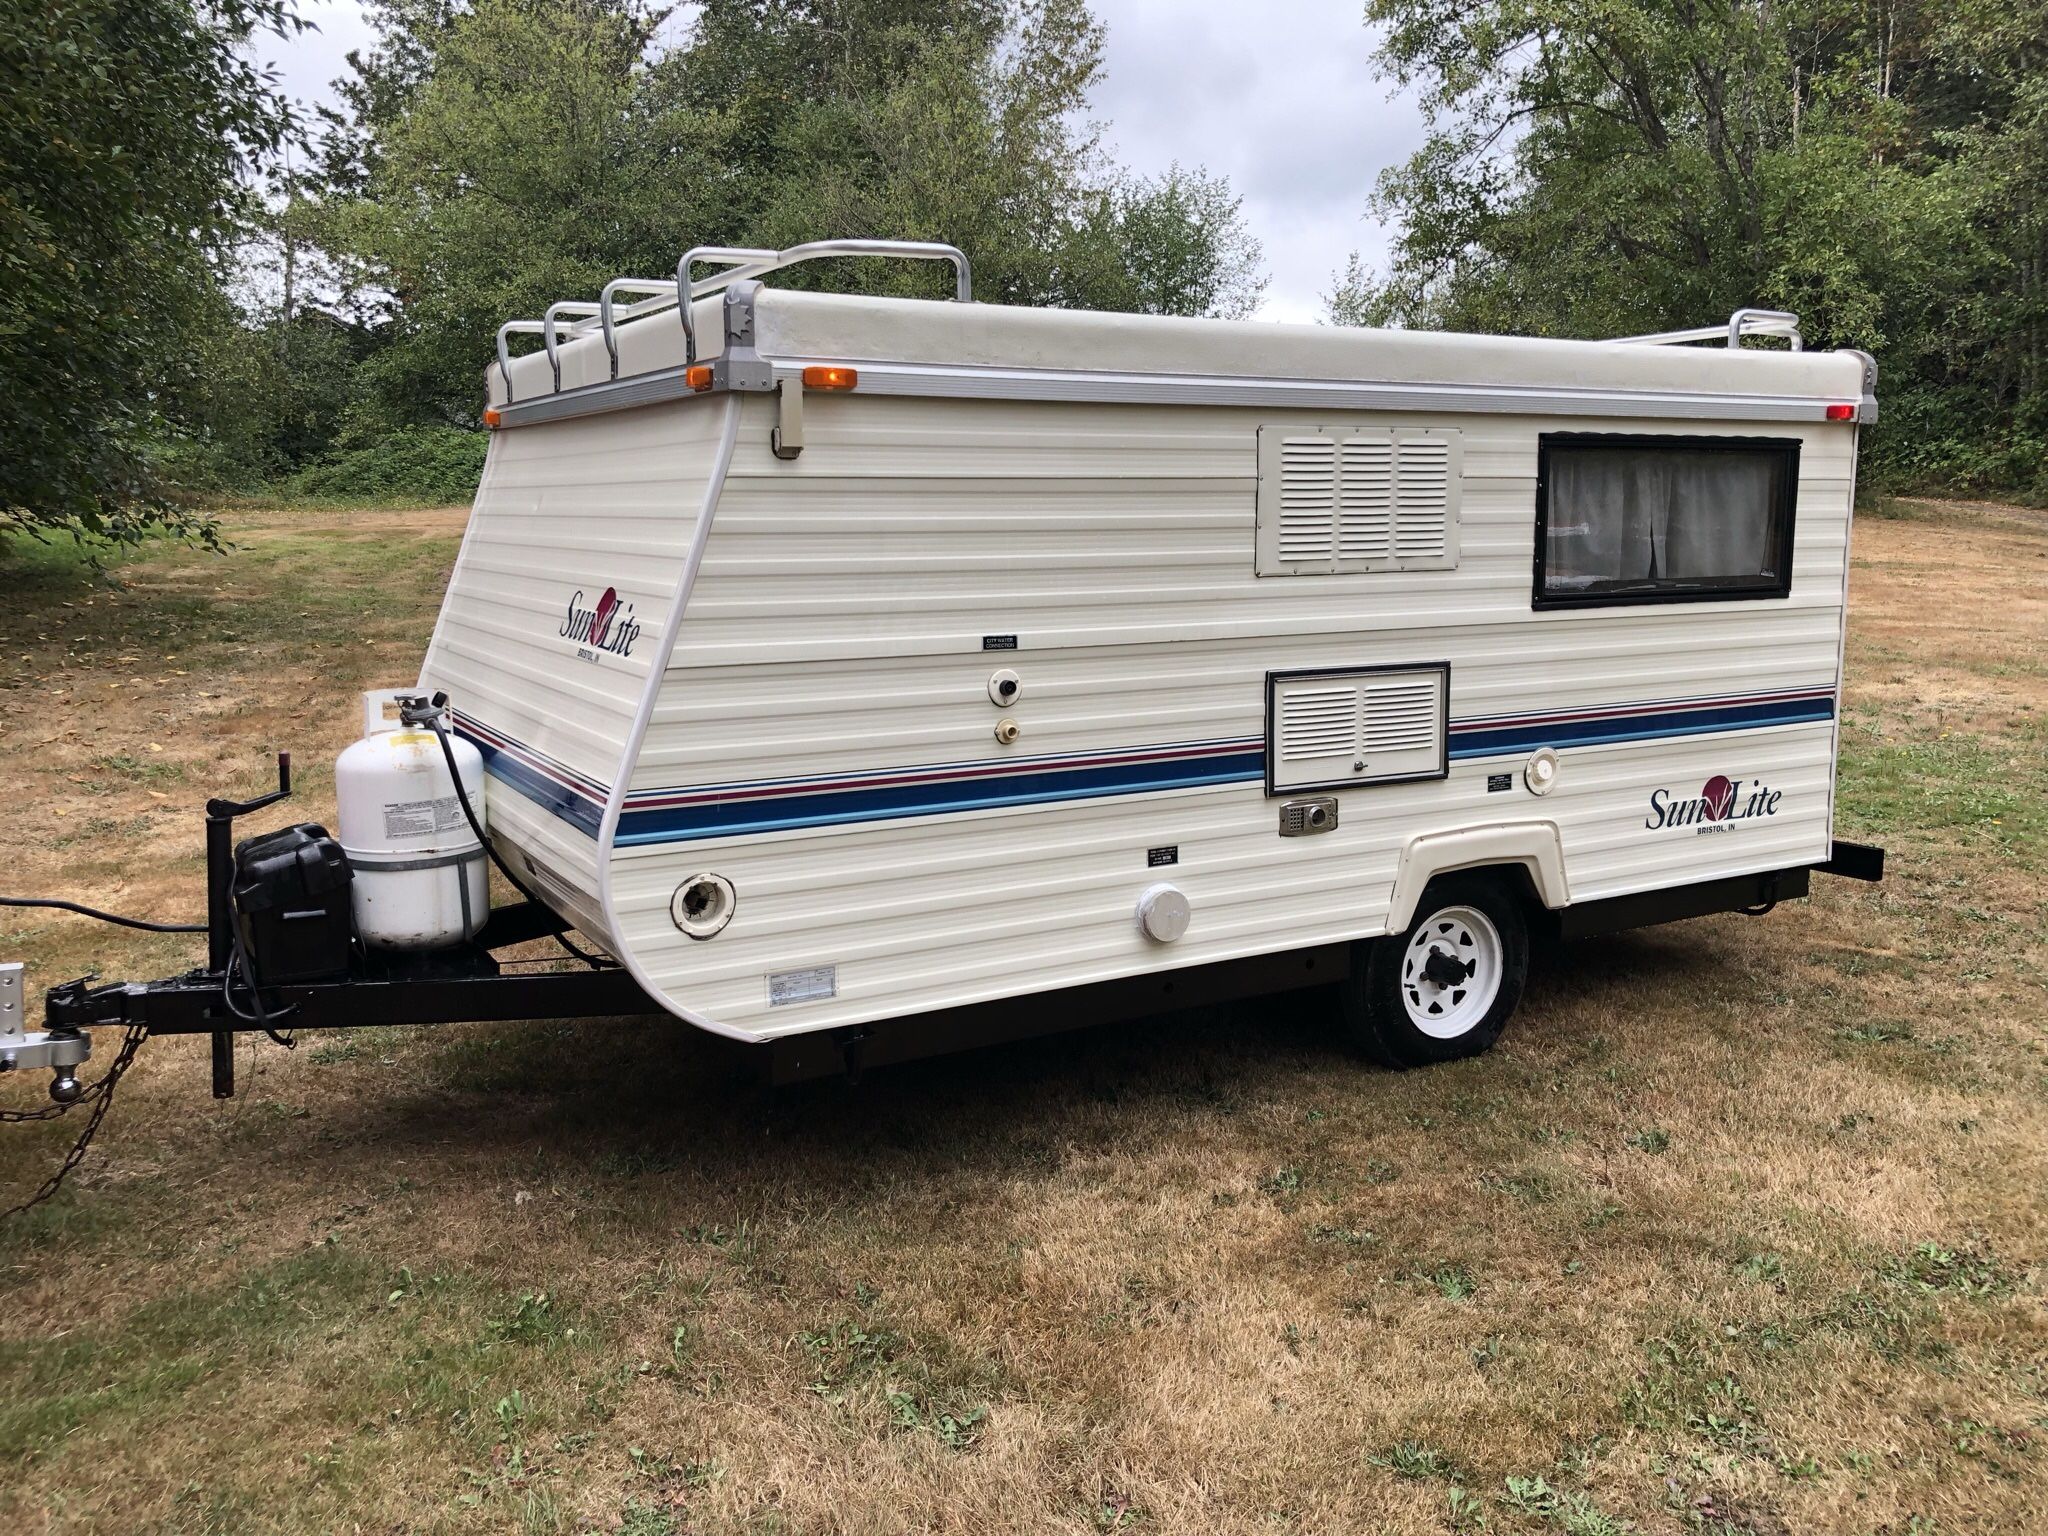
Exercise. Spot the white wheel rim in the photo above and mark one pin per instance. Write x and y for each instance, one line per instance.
(1443, 1009)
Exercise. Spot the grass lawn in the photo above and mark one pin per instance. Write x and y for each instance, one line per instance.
(1740, 1230)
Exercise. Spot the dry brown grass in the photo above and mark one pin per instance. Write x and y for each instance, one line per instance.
(1737, 1231)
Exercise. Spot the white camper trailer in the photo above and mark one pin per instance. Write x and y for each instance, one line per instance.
(838, 660)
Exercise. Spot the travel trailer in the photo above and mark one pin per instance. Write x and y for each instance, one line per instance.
(866, 676)
(838, 659)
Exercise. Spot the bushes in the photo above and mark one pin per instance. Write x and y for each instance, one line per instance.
(430, 464)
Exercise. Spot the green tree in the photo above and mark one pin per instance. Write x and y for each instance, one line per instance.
(126, 128)
(496, 156)
(963, 121)
(1176, 245)
(1601, 169)
(493, 160)
(276, 364)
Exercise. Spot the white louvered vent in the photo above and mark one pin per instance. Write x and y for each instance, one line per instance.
(1370, 726)
(1402, 716)
(1337, 502)
(1422, 500)
(1365, 500)
(1317, 723)
(1308, 499)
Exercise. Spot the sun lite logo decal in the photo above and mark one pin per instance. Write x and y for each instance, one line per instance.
(607, 627)
(1721, 803)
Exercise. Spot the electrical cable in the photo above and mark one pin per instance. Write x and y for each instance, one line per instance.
(437, 720)
(262, 1017)
(106, 917)
(238, 960)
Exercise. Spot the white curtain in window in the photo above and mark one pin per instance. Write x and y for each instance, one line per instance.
(1641, 515)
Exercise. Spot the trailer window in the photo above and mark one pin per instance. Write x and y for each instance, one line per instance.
(1662, 519)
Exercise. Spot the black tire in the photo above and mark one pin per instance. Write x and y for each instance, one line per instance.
(1382, 1001)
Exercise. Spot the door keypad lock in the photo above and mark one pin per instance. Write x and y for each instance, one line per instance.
(1304, 818)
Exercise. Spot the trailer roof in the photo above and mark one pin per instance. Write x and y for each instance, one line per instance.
(796, 325)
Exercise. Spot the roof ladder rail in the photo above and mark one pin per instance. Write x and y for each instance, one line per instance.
(748, 263)
(741, 262)
(663, 290)
(509, 329)
(549, 334)
(1744, 322)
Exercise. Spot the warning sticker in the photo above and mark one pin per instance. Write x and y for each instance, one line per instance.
(809, 986)
(422, 818)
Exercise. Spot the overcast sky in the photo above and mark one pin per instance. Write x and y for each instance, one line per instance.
(1280, 99)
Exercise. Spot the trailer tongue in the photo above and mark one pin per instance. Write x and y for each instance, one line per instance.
(289, 946)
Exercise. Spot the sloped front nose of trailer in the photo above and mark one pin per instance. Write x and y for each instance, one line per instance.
(557, 620)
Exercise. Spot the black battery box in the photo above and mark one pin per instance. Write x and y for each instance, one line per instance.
(292, 911)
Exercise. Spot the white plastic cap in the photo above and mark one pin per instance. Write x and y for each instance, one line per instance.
(1163, 913)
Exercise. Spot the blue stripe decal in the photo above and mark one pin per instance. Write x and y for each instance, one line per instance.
(774, 806)
(665, 824)
(557, 799)
(1481, 741)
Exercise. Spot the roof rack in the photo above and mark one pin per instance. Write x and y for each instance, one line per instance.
(1744, 322)
(740, 262)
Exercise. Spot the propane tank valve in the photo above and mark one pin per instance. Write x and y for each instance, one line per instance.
(419, 709)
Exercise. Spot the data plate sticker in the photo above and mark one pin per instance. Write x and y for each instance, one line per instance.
(808, 986)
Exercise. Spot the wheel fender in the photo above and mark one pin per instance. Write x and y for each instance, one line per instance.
(1534, 845)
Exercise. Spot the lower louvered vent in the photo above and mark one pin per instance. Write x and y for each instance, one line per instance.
(1401, 717)
(1363, 727)
(1316, 723)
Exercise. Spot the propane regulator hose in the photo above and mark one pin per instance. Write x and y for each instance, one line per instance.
(436, 717)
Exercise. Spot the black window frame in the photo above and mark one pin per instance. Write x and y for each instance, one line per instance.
(1702, 592)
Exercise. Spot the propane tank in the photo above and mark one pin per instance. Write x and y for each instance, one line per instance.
(421, 881)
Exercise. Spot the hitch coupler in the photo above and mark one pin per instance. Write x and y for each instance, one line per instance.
(60, 1049)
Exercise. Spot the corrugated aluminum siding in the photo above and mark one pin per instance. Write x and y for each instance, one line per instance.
(593, 504)
(837, 626)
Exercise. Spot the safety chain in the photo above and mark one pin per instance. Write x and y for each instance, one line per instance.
(100, 1095)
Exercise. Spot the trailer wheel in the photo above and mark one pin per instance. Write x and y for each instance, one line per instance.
(1447, 987)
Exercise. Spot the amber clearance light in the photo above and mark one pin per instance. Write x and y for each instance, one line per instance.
(492, 416)
(698, 377)
(830, 376)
